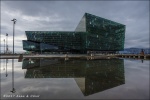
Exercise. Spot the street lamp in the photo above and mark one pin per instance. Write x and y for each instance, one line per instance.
(14, 22)
(13, 89)
(6, 43)
(4, 46)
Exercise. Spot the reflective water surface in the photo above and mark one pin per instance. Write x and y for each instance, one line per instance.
(75, 79)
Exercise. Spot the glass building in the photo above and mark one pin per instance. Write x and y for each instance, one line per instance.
(93, 33)
(91, 76)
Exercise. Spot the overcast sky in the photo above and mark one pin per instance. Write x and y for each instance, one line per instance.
(65, 16)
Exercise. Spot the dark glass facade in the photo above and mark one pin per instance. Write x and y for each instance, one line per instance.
(91, 76)
(92, 33)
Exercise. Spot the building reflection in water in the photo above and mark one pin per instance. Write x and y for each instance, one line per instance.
(6, 67)
(5, 62)
(92, 76)
(142, 60)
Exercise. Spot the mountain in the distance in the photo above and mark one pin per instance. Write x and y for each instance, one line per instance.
(135, 50)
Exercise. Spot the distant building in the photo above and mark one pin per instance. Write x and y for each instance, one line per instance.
(93, 33)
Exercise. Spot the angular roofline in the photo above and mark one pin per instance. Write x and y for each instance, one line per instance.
(56, 31)
(103, 18)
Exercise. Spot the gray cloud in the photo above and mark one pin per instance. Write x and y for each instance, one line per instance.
(65, 15)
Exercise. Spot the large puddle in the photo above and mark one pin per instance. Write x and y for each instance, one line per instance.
(75, 79)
